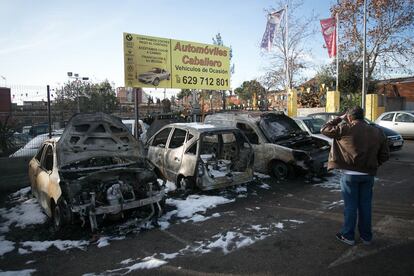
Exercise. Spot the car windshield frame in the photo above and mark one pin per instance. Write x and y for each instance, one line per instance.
(311, 126)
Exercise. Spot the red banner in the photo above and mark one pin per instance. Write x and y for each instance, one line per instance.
(329, 34)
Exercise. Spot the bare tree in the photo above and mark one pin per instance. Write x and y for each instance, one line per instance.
(295, 51)
(390, 40)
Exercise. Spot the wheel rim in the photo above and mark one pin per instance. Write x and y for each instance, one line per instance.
(156, 82)
(280, 170)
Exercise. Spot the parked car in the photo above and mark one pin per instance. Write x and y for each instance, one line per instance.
(325, 116)
(95, 170)
(201, 155)
(313, 127)
(154, 76)
(399, 121)
(130, 124)
(33, 146)
(395, 140)
(38, 129)
(280, 146)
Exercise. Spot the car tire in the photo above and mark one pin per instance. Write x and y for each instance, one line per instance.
(280, 170)
(57, 217)
(156, 82)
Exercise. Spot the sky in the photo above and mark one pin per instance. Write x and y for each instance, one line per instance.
(40, 41)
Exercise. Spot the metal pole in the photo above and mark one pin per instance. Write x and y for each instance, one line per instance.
(48, 112)
(77, 94)
(287, 48)
(136, 113)
(364, 92)
(337, 52)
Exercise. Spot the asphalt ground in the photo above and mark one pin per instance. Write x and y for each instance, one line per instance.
(290, 227)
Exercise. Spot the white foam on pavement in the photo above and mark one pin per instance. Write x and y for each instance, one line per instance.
(24, 272)
(5, 246)
(39, 246)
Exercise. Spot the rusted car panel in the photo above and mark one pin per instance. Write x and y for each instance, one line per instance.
(97, 169)
(206, 156)
(279, 144)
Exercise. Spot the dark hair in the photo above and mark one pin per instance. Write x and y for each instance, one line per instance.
(357, 113)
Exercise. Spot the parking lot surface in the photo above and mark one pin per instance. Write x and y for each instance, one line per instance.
(267, 227)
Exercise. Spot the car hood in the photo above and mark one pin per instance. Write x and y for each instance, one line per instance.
(323, 137)
(388, 132)
(278, 127)
(90, 135)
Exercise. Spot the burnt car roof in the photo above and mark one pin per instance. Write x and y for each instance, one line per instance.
(90, 135)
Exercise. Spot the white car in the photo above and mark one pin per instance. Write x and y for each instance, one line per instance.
(33, 146)
(399, 121)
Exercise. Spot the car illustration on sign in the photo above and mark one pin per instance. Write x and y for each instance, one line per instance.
(154, 76)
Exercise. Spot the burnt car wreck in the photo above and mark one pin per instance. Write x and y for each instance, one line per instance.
(203, 156)
(94, 171)
(281, 148)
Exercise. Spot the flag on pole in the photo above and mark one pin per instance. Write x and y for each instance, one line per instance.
(329, 34)
(273, 23)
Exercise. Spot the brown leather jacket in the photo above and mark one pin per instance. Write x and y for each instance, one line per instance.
(356, 146)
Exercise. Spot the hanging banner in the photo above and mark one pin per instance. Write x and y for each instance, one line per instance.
(329, 35)
(168, 63)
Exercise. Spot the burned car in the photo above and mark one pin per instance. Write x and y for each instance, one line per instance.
(154, 76)
(280, 146)
(95, 170)
(201, 155)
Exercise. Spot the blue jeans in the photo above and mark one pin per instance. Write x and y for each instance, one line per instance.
(357, 195)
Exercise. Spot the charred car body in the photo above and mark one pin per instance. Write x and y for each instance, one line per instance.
(280, 146)
(96, 169)
(201, 155)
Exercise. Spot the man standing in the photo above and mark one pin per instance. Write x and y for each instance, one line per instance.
(358, 150)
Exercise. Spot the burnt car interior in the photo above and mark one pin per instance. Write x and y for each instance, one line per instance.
(224, 152)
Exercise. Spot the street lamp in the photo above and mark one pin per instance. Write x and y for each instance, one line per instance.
(75, 76)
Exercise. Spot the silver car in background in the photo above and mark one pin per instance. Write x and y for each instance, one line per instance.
(313, 127)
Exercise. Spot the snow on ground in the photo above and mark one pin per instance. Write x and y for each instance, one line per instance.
(168, 185)
(21, 193)
(265, 186)
(261, 176)
(23, 214)
(25, 272)
(103, 241)
(227, 242)
(334, 204)
(192, 208)
(332, 183)
(5, 246)
(38, 246)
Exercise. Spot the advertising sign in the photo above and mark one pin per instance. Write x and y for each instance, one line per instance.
(168, 63)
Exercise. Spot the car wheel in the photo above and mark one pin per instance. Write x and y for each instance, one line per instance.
(57, 217)
(168, 78)
(156, 81)
(280, 170)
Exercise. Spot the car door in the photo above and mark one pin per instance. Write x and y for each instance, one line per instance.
(386, 120)
(156, 149)
(34, 169)
(404, 124)
(43, 177)
(174, 153)
(260, 162)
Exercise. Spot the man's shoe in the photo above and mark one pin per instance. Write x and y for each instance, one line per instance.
(366, 242)
(341, 238)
